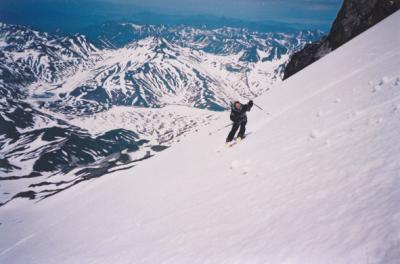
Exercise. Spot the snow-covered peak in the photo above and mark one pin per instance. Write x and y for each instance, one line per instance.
(38, 56)
(226, 40)
(154, 43)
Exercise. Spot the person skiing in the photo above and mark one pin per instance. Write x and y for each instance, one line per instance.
(239, 119)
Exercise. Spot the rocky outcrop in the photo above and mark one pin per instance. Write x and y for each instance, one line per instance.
(354, 17)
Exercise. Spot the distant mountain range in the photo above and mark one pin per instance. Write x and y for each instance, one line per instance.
(77, 107)
(73, 16)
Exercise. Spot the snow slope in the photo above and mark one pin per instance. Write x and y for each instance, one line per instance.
(316, 182)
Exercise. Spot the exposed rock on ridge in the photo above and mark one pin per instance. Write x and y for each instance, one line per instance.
(354, 17)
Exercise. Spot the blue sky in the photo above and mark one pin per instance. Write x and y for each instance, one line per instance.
(307, 14)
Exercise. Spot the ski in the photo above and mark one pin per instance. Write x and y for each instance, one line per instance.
(233, 142)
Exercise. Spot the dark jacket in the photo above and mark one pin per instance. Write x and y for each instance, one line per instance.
(239, 115)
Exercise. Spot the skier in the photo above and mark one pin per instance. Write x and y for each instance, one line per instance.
(239, 119)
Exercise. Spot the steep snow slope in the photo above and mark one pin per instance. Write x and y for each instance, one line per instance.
(317, 182)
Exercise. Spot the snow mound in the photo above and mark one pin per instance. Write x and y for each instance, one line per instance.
(280, 196)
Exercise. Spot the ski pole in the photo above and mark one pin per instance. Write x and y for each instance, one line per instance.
(213, 132)
(256, 105)
(259, 107)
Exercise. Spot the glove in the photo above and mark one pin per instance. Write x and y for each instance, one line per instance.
(251, 104)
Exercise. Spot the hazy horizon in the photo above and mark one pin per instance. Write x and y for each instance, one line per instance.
(70, 15)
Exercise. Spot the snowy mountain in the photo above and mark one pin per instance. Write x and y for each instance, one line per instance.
(315, 182)
(226, 40)
(71, 111)
(159, 65)
(32, 56)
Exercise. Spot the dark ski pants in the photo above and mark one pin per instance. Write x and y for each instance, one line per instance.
(235, 127)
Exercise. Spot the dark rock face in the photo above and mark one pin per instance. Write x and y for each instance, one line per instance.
(354, 17)
(308, 55)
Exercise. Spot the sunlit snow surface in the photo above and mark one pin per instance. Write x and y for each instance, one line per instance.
(317, 181)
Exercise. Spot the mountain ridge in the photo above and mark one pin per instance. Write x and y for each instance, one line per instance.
(353, 18)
